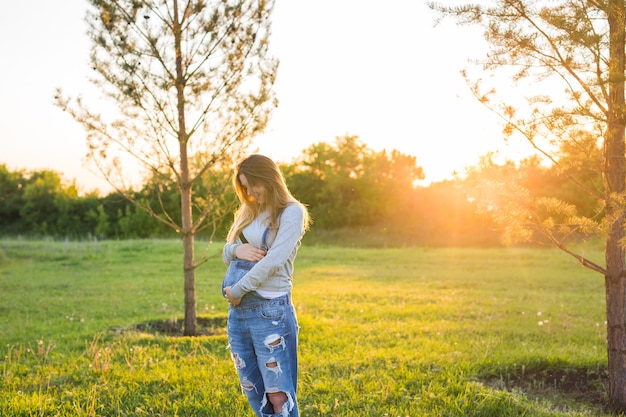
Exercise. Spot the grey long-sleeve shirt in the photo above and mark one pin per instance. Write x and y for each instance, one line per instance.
(275, 271)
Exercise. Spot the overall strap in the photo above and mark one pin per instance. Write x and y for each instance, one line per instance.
(264, 239)
(265, 232)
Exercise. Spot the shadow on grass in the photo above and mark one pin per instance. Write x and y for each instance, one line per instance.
(206, 326)
(561, 385)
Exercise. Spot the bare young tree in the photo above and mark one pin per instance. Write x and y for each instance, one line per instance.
(190, 83)
(577, 46)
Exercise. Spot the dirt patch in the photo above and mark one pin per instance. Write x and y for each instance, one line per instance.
(561, 387)
(206, 326)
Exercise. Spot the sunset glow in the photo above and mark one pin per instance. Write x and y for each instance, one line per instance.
(395, 87)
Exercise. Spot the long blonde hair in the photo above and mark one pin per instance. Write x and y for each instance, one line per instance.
(261, 170)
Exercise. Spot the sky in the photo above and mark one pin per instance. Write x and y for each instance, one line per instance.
(381, 71)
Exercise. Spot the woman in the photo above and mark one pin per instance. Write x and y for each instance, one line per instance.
(260, 250)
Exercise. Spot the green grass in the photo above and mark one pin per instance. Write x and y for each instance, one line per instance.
(384, 332)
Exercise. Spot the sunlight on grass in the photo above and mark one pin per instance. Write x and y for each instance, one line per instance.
(384, 332)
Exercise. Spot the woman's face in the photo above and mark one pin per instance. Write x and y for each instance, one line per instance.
(257, 192)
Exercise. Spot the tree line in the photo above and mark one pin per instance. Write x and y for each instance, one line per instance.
(356, 196)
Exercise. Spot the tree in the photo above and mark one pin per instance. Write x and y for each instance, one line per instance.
(579, 47)
(336, 173)
(11, 199)
(350, 185)
(39, 210)
(190, 83)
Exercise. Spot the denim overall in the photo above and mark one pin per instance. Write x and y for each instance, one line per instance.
(263, 339)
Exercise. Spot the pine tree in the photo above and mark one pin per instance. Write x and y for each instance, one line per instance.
(190, 86)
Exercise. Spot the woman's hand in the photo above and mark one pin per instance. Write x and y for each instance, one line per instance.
(249, 252)
(231, 300)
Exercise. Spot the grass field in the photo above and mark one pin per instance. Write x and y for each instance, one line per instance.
(89, 329)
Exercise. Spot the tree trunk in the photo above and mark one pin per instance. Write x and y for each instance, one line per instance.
(615, 183)
(184, 184)
(188, 266)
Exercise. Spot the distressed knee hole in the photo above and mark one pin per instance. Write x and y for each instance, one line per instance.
(280, 406)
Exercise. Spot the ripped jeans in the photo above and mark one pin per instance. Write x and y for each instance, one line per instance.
(263, 339)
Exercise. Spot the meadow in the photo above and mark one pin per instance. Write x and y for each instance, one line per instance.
(92, 328)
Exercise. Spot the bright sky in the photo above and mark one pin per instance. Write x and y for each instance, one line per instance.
(380, 71)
